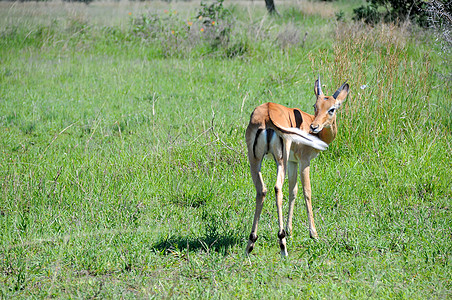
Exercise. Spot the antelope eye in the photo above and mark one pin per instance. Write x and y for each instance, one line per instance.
(331, 110)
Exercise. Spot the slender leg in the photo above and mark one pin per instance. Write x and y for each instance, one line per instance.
(307, 198)
(261, 191)
(292, 168)
(280, 175)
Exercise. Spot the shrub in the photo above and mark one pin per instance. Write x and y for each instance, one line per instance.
(392, 11)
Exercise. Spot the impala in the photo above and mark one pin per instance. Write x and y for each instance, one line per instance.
(293, 138)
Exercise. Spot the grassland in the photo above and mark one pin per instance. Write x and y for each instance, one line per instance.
(123, 167)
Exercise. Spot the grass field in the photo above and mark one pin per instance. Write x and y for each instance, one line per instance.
(123, 163)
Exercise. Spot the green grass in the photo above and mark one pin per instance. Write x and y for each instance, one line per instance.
(123, 164)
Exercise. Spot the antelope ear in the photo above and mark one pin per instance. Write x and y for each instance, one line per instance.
(343, 92)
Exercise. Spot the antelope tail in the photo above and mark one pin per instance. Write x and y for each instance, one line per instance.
(300, 137)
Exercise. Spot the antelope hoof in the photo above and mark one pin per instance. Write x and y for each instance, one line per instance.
(282, 243)
(289, 231)
(284, 253)
(251, 241)
(314, 235)
(249, 248)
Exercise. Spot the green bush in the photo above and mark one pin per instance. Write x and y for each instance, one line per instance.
(392, 11)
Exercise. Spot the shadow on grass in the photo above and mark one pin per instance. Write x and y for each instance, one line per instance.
(211, 241)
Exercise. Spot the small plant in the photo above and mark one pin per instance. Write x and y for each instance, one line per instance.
(239, 48)
(214, 11)
(340, 16)
(147, 26)
(215, 24)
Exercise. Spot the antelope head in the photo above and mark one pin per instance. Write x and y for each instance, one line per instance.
(326, 106)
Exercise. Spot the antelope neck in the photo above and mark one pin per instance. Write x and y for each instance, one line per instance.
(328, 134)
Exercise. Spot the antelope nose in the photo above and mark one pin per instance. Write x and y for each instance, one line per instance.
(313, 128)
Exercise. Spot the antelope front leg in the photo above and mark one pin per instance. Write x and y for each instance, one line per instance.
(292, 170)
(307, 198)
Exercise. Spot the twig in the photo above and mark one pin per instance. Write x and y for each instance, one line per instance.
(260, 26)
(202, 133)
(154, 99)
(328, 253)
(56, 136)
(243, 102)
(92, 133)
(95, 128)
(218, 138)
(120, 133)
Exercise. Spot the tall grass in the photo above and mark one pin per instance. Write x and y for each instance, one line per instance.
(123, 168)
